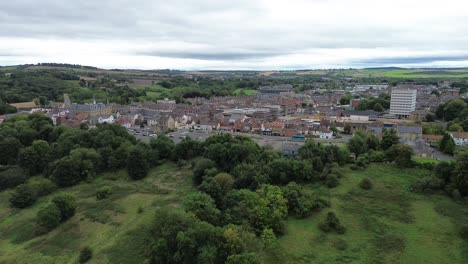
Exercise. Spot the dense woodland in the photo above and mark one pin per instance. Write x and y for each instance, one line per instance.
(245, 195)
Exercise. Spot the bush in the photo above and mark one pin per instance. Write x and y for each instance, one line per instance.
(11, 178)
(47, 218)
(331, 181)
(140, 209)
(85, 255)
(137, 164)
(377, 156)
(365, 184)
(66, 203)
(200, 169)
(103, 192)
(362, 162)
(22, 197)
(245, 258)
(332, 223)
(464, 232)
(41, 186)
(428, 185)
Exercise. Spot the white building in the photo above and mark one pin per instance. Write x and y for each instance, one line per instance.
(109, 120)
(403, 101)
(460, 138)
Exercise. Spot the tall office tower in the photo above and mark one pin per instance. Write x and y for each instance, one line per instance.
(403, 101)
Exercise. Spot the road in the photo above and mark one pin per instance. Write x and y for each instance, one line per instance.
(274, 141)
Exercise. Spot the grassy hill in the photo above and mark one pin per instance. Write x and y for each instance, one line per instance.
(113, 227)
(388, 224)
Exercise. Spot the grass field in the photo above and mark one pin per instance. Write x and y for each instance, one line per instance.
(157, 92)
(112, 227)
(410, 73)
(245, 91)
(388, 224)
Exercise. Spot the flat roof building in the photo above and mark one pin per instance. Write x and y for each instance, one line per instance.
(403, 101)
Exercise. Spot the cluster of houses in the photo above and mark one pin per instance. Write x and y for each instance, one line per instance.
(276, 111)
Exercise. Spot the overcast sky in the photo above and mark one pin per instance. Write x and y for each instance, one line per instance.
(235, 34)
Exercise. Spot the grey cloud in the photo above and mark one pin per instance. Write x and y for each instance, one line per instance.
(211, 56)
(412, 60)
(213, 30)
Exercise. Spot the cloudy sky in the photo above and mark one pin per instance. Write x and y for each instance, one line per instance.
(235, 34)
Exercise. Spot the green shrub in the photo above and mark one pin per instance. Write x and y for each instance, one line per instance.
(22, 197)
(103, 192)
(47, 218)
(362, 162)
(428, 185)
(365, 184)
(140, 209)
(332, 223)
(85, 255)
(41, 186)
(66, 203)
(464, 232)
(11, 177)
(377, 156)
(331, 181)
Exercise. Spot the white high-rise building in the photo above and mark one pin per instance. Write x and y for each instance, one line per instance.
(403, 101)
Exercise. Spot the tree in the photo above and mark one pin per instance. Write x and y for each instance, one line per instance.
(202, 206)
(430, 117)
(217, 187)
(179, 237)
(301, 203)
(66, 203)
(164, 145)
(47, 218)
(200, 169)
(357, 145)
(219, 153)
(22, 197)
(461, 171)
(248, 176)
(332, 223)
(9, 150)
(453, 109)
(273, 209)
(455, 127)
(446, 144)
(35, 158)
(347, 129)
(66, 172)
(389, 138)
(401, 154)
(188, 149)
(11, 177)
(378, 107)
(137, 165)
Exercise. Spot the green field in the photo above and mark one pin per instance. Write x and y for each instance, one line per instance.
(409, 73)
(387, 224)
(107, 225)
(157, 92)
(245, 91)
